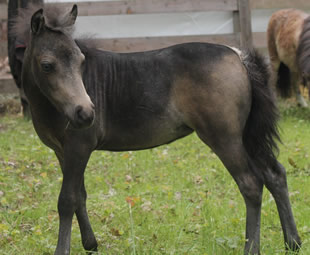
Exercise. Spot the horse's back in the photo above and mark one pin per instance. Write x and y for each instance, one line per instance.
(283, 33)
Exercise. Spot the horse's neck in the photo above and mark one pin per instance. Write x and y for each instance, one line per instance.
(38, 102)
(48, 122)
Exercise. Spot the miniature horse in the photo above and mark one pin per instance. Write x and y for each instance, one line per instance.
(84, 99)
(289, 49)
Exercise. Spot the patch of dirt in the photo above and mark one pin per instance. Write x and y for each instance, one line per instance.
(2, 129)
(9, 104)
(4, 66)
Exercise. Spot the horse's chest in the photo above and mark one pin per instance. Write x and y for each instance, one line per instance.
(47, 135)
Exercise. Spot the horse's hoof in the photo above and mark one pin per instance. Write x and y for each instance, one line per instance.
(302, 104)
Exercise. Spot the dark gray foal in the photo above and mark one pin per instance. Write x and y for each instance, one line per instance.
(84, 99)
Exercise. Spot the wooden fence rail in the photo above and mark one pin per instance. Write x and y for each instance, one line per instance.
(242, 35)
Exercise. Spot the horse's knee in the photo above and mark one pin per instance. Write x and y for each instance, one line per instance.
(67, 203)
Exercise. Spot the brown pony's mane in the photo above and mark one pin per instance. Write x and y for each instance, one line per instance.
(303, 50)
(55, 19)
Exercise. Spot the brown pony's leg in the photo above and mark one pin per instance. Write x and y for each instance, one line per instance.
(273, 53)
(234, 157)
(272, 47)
(296, 83)
(275, 181)
(275, 65)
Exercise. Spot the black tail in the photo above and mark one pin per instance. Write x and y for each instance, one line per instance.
(261, 130)
(284, 81)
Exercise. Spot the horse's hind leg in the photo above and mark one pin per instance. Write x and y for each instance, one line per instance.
(234, 157)
(296, 83)
(275, 181)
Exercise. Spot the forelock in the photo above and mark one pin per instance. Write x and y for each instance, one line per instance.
(55, 19)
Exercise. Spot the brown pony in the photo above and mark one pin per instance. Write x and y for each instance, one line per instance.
(289, 47)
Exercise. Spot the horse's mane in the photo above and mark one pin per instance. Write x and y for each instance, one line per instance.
(303, 50)
(54, 19)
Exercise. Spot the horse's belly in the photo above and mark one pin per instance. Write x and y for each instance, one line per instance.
(147, 136)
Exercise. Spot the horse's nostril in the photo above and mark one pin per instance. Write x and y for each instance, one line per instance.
(78, 109)
(84, 117)
(79, 113)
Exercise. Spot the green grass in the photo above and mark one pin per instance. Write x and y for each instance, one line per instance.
(183, 199)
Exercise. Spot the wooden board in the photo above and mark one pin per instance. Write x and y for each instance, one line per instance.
(3, 11)
(151, 43)
(245, 24)
(280, 4)
(151, 6)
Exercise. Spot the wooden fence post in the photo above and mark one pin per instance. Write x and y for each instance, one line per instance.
(243, 24)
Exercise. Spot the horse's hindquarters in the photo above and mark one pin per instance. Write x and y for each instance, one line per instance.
(219, 103)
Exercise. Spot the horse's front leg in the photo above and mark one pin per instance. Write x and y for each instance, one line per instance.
(88, 238)
(74, 163)
(296, 83)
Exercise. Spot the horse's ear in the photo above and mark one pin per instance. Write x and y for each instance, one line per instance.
(72, 16)
(37, 21)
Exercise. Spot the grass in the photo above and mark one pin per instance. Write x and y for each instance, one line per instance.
(175, 199)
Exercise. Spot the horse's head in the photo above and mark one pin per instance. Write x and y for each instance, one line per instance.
(56, 64)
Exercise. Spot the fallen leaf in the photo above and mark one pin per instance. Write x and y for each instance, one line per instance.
(126, 155)
(132, 200)
(116, 232)
(198, 180)
(44, 174)
(292, 162)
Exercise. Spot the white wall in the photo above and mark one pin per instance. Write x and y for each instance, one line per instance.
(122, 26)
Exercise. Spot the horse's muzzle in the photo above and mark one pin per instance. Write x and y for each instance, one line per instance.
(83, 117)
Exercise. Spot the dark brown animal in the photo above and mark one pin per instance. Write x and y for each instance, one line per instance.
(84, 99)
(289, 49)
(16, 49)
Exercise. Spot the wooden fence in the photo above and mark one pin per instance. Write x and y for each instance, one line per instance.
(241, 36)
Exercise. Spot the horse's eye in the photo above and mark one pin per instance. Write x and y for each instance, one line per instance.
(46, 67)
